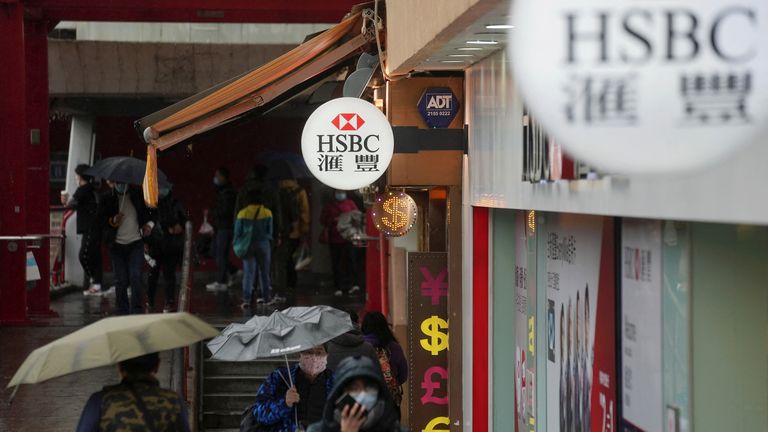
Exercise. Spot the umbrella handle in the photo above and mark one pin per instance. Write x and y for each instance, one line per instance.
(13, 395)
(288, 367)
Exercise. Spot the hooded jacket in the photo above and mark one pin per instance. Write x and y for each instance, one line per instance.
(349, 344)
(350, 369)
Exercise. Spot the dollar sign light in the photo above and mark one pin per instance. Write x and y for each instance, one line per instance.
(394, 213)
(438, 340)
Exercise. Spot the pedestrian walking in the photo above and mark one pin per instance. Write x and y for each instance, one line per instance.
(252, 243)
(85, 201)
(346, 277)
(166, 248)
(129, 220)
(294, 210)
(137, 403)
(350, 344)
(394, 366)
(359, 401)
(223, 223)
(286, 407)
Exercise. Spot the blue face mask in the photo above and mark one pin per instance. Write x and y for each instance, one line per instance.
(121, 188)
(366, 398)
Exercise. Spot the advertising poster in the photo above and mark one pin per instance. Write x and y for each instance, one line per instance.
(428, 341)
(578, 255)
(525, 323)
(641, 325)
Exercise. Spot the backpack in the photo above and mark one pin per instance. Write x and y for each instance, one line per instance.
(389, 378)
(248, 423)
(291, 211)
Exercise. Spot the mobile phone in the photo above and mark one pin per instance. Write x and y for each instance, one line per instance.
(345, 400)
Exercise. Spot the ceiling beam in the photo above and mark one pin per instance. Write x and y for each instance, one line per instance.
(224, 11)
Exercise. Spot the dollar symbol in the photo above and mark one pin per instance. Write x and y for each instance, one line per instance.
(398, 218)
(438, 340)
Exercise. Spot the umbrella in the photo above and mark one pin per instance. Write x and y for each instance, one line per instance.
(284, 332)
(285, 166)
(124, 169)
(110, 341)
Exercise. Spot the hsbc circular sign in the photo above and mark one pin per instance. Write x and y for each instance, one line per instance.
(644, 86)
(347, 143)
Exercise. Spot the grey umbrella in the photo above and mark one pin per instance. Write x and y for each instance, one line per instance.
(284, 332)
(124, 169)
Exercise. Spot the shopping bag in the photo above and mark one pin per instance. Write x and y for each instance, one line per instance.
(302, 258)
(205, 228)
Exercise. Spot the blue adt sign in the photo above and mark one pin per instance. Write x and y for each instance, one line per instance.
(438, 107)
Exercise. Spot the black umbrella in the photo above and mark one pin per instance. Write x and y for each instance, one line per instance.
(124, 169)
(285, 166)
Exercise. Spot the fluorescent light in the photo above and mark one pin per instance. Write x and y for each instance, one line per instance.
(451, 61)
(499, 26)
(482, 42)
(461, 55)
(469, 49)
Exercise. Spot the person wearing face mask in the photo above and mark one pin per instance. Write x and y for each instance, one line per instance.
(290, 400)
(128, 221)
(343, 253)
(166, 247)
(223, 221)
(359, 380)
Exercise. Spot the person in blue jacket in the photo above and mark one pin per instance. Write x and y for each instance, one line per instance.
(291, 408)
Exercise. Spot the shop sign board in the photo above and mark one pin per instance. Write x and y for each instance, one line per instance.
(394, 213)
(644, 87)
(525, 321)
(641, 316)
(428, 335)
(438, 107)
(577, 255)
(347, 143)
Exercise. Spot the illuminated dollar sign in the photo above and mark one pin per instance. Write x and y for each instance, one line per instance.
(437, 421)
(438, 340)
(397, 218)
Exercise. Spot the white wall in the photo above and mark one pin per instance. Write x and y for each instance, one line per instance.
(732, 191)
(290, 34)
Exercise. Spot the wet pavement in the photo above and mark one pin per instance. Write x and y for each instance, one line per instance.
(56, 404)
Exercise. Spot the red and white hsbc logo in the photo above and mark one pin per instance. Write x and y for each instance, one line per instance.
(348, 122)
(347, 143)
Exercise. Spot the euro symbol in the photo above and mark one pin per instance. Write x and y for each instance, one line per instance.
(430, 386)
(437, 421)
(438, 340)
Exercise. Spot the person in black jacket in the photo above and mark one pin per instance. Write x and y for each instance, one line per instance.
(166, 248)
(350, 344)
(373, 410)
(86, 202)
(128, 221)
(223, 222)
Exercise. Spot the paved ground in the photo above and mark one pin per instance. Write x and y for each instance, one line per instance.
(56, 405)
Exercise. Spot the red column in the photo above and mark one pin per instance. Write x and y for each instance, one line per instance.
(37, 157)
(480, 288)
(13, 137)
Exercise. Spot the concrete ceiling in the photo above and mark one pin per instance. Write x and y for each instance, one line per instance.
(475, 42)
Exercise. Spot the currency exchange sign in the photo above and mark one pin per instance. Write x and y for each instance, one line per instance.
(428, 341)
(644, 86)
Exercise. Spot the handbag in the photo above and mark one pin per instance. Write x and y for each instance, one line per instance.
(248, 423)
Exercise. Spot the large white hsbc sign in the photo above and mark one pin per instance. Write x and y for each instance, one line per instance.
(347, 143)
(645, 86)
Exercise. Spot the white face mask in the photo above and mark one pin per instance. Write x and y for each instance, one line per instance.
(340, 196)
(366, 398)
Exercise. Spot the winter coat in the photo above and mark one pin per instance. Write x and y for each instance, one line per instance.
(110, 206)
(253, 225)
(86, 202)
(397, 360)
(223, 215)
(349, 344)
(350, 369)
(270, 406)
(169, 213)
(330, 218)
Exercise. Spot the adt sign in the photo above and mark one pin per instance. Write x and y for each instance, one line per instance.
(438, 107)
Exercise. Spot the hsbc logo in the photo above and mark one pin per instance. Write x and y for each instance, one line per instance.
(348, 122)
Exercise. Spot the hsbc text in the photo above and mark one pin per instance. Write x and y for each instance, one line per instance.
(347, 143)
